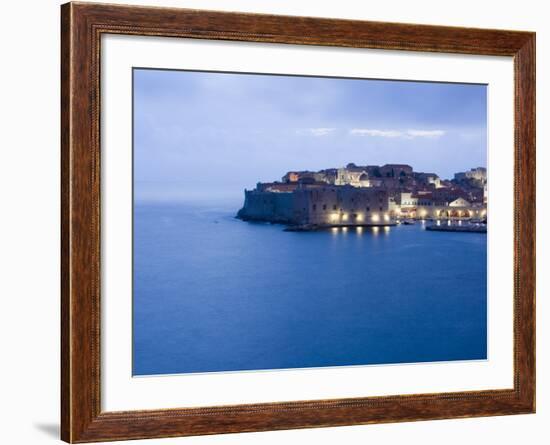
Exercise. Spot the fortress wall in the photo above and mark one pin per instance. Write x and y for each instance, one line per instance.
(319, 205)
(268, 206)
(347, 206)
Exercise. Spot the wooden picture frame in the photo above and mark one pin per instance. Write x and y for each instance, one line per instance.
(82, 25)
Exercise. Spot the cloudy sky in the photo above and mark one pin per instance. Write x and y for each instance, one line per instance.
(199, 135)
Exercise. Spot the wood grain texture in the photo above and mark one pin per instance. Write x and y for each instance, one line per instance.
(81, 28)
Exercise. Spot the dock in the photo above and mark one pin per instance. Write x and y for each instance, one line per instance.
(468, 228)
(315, 227)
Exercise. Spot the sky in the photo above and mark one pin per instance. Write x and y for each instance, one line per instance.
(201, 135)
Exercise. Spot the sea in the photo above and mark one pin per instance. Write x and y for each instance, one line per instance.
(212, 293)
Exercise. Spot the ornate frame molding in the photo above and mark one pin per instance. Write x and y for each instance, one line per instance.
(82, 25)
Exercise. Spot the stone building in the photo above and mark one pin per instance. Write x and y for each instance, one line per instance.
(429, 179)
(477, 175)
(319, 205)
(366, 195)
(356, 177)
(396, 170)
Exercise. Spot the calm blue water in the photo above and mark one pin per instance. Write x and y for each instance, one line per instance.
(212, 293)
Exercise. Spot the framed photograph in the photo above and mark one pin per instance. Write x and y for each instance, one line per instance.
(274, 222)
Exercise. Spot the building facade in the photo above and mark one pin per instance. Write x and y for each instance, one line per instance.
(319, 205)
(366, 195)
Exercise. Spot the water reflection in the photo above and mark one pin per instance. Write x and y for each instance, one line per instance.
(359, 230)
